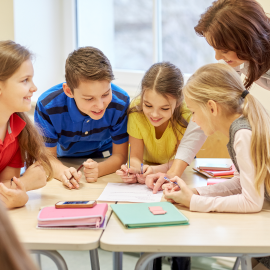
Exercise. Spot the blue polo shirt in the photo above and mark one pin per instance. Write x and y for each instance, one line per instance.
(74, 134)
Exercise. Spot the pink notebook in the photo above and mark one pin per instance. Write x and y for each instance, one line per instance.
(52, 217)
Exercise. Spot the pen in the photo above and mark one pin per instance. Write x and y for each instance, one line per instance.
(142, 168)
(11, 181)
(129, 147)
(71, 176)
(167, 179)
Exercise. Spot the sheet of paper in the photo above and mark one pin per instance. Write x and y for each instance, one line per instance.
(123, 192)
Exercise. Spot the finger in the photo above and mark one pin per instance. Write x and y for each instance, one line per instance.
(91, 179)
(66, 182)
(167, 185)
(150, 180)
(4, 190)
(74, 173)
(90, 165)
(120, 172)
(158, 185)
(167, 194)
(74, 183)
(132, 170)
(18, 183)
(67, 173)
(181, 183)
(124, 167)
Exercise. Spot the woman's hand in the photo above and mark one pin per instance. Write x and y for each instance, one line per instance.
(14, 197)
(124, 171)
(155, 181)
(180, 195)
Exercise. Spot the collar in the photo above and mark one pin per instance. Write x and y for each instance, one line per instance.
(15, 125)
(74, 112)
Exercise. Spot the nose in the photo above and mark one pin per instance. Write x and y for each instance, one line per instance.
(154, 113)
(99, 104)
(218, 55)
(33, 88)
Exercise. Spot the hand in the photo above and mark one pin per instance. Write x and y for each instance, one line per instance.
(34, 177)
(146, 171)
(14, 197)
(158, 179)
(123, 173)
(180, 195)
(71, 178)
(90, 170)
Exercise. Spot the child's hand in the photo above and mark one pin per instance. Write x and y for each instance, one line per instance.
(71, 178)
(155, 181)
(14, 197)
(90, 170)
(123, 173)
(146, 171)
(182, 195)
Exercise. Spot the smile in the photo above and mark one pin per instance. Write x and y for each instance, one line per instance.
(98, 112)
(155, 120)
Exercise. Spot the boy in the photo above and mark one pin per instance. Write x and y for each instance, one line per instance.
(86, 116)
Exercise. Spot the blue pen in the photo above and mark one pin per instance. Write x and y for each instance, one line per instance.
(167, 179)
(142, 168)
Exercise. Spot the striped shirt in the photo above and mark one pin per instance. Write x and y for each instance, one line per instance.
(74, 134)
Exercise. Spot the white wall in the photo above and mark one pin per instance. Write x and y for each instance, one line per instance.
(6, 20)
(48, 30)
(266, 5)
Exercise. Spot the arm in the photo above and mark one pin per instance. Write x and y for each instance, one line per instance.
(248, 200)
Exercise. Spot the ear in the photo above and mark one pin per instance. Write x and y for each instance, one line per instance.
(67, 90)
(212, 107)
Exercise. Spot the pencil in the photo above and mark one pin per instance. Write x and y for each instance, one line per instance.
(129, 147)
(142, 168)
(167, 179)
(77, 171)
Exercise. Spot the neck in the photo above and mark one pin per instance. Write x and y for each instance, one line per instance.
(5, 115)
(226, 124)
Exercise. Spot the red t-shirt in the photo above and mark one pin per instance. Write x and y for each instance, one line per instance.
(10, 154)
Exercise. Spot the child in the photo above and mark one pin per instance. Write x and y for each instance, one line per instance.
(85, 117)
(12, 253)
(157, 121)
(239, 32)
(219, 102)
(20, 143)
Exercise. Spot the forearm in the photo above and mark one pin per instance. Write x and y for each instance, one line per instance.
(177, 168)
(110, 165)
(136, 163)
(163, 168)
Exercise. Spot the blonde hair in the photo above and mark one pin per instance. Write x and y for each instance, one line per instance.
(12, 254)
(222, 84)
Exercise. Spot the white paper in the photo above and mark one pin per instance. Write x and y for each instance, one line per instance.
(123, 192)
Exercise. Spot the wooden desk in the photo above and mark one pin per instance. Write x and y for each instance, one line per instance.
(209, 234)
(43, 241)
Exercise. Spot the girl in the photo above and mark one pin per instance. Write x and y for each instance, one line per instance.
(239, 32)
(219, 101)
(20, 142)
(157, 120)
(12, 254)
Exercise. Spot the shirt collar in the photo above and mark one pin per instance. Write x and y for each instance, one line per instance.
(15, 125)
(74, 112)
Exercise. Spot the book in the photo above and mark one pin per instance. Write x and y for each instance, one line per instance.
(213, 173)
(138, 215)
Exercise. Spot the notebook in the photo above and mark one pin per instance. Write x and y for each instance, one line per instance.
(138, 215)
(52, 217)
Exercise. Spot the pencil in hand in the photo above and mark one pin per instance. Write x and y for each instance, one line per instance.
(129, 148)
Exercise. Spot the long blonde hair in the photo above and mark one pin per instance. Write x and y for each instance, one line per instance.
(12, 55)
(221, 83)
(12, 253)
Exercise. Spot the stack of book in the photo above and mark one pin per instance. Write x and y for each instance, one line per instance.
(216, 175)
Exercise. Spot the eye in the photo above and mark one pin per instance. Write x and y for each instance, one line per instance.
(106, 95)
(25, 80)
(88, 99)
(224, 52)
(148, 106)
(165, 109)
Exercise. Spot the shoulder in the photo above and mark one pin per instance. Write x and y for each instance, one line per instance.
(242, 139)
(55, 96)
(119, 95)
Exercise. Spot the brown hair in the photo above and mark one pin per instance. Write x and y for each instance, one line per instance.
(167, 80)
(240, 26)
(12, 55)
(87, 63)
(12, 254)
(222, 84)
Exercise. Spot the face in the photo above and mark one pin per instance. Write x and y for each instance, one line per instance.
(205, 122)
(92, 98)
(157, 108)
(229, 57)
(16, 92)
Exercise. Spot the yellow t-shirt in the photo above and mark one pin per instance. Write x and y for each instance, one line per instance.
(155, 150)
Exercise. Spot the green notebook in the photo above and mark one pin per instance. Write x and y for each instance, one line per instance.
(137, 215)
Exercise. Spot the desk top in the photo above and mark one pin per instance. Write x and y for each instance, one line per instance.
(25, 219)
(207, 232)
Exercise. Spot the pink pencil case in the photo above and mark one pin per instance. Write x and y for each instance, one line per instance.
(52, 217)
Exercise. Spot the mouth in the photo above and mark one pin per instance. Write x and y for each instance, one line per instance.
(27, 98)
(97, 112)
(156, 120)
(228, 61)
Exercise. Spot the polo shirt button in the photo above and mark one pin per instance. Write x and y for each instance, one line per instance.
(87, 121)
(86, 132)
